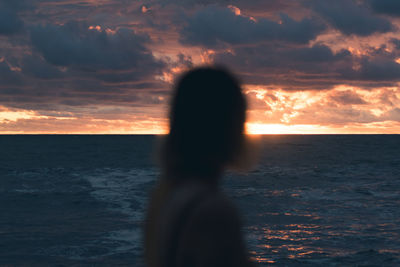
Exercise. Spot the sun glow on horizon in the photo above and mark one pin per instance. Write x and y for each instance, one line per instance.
(387, 127)
(264, 128)
(19, 121)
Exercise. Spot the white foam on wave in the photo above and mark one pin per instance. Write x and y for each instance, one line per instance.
(26, 191)
(121, 188)
(124, 191)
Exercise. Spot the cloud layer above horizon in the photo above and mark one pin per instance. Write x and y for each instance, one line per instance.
(108, 66)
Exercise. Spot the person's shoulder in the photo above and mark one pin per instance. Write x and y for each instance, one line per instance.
(217, 202)
(213, 234)
(216, 209)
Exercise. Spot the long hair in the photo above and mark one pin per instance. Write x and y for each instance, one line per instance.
(207, 116)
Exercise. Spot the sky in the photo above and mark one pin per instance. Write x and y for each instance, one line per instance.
(108, 66)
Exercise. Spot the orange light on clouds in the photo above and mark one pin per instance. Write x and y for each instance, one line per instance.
(170, 75)
(16, 115)
(206, 56)
(264, 128)
(144, 9)
(97, 28)
(235, 9)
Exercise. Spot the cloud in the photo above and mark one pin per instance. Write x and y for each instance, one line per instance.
(8, 77)
(17, 5)
(295, 68)
(396, 43)
(79, 46)
(47, 124)
(389, 7)
(78, 65)
(351, 17)
(213, 25)
(254, 6)
(82, 65)
(394, 114)
(311, 68)
(374, 69)
(347, 97)
(36, 67)
(10, 23)
(340, 106)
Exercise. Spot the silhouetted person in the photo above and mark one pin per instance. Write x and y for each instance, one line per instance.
(190, 222)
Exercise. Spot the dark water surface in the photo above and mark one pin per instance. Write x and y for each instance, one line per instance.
(313, 200)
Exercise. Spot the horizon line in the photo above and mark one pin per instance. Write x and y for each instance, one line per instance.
(158, 134)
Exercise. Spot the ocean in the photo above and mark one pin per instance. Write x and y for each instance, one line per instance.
(311, 200)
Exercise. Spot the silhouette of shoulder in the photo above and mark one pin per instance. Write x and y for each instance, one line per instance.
(212, 235)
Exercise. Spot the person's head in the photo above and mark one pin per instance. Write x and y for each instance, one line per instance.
(207, 119)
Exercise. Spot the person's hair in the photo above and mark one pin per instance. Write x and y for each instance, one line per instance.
(207, 116)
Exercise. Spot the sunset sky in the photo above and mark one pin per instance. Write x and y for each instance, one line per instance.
(107, 66)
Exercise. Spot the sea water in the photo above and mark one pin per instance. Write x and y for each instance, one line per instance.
(312, 200)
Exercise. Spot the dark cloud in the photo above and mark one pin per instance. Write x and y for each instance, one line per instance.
(58, 72)
(17, 5)
(10, 23)
(213, 25)
(351, 17)
(290, 67)
(9, 77)
(74, 44)
(55, 95)
(389, 7)
(111, 56)
(253, 6)
(374, 69)
(36, 67)
(396, 43)
(316, 67)
(191, 3)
